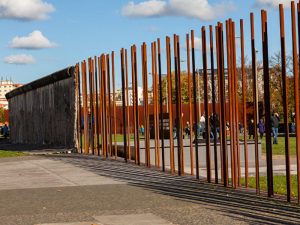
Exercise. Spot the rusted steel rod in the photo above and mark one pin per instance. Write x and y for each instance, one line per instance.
(190, 101)
(267, 102)
(137, 117)
(254, 81)
(154, 101)
(105, 113)
(180, 105)
(85, 108)
(94, 118)
(146, 107)
(114, 105)
(244, 80)
(124, 103)
(285, 103)
(219, 99)
(207, 122)
(213, 99)
(78, 95)
(100, 104)
(296, 86)
(97, 106)
(127, 105)
(230, 100)
(223, 105)
(135, 129)
(91, 105)
(170, 106)
(109, 105)
(161, 107)
(196, 119)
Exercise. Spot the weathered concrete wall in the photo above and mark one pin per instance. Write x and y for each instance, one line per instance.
(43, 112)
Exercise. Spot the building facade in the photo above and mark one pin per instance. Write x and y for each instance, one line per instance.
(5, 87)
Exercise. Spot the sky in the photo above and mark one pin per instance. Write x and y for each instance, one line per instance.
(39, 37)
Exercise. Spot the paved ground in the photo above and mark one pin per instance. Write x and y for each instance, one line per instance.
(80, 190)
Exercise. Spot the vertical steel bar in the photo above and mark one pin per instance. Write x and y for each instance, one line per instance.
(78, 93)
(254, 81)
(213, 98)
(127, 105)
(180, 105)
(218, 118)
(136, 104)
(267, 102)
(109, 105)
(105, 114)
(190, 101)
(168, 46)
(97, 105)
(285, 103)
(161, 107)
(296, 87)
(230, 100)
(114, 104)
(124, 103)
(85, 108)
(223, 105)
(135, 129)
(95, 119)
(244, 80)
(91, 111)
(195, 124)
(100, 103)
(207, 122)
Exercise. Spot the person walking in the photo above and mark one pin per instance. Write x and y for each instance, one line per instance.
(251, 129)
(261, 128)
(275, 120)
(142, 130)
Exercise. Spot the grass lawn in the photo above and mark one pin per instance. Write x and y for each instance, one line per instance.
(7, 154)
(279, 149)
(279, 184)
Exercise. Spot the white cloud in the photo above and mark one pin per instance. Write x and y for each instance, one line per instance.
(199, 9)
(25, 9)
(197, 43)
(149, 8)
(271, 3)
(35, 40)
(19, 59)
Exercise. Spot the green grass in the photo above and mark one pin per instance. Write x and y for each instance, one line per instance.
(7, 154)
(279, 149)
(279, 184)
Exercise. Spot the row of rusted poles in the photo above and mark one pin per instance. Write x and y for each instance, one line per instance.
(99, 109)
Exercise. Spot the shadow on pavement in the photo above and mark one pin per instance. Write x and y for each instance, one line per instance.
(233, 203)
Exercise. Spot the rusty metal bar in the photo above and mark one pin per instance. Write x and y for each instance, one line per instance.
(244, 79)
(213, 98)
(207, 122)
(114, 105)
(180, 105)
(146, 107)
(100, 104)
(85, 108)
(296, 87)
(223, 105)
(219, 98)
(267, 102)
(254, 81)
(105, 114)
(127, 105)
(97, 106)
(154, 101)
(94, 118)
(91, 111)
(161, 107)
(230, 100)
(137, 104)
(195, 124)
(190, 101)
(169, 74)
(78, 96)
(134, 108)
(124, 103)
(109, 105)
(285, 103)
